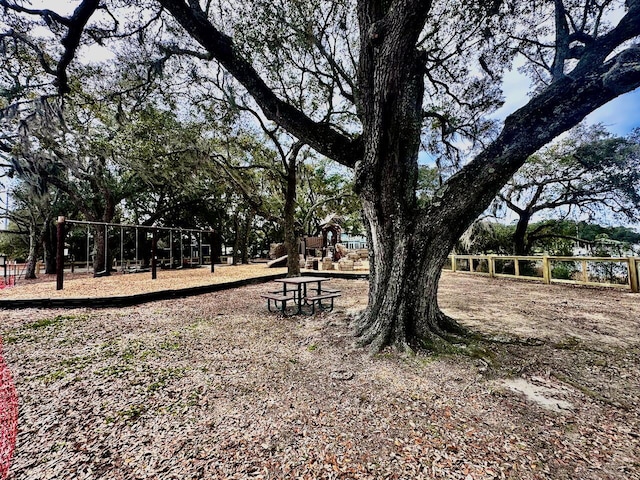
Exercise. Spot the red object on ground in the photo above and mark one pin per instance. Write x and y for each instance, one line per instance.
(8, 417)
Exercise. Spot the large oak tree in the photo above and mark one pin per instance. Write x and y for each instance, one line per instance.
(411, 73)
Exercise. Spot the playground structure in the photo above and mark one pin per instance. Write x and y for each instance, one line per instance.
(325, 249)
(129, 248)
(324, 245)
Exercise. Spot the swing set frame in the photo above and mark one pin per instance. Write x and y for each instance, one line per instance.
(61, 234)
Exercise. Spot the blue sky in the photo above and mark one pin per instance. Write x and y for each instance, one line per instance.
(620, 116)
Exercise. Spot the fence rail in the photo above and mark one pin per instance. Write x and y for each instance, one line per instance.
(617, 272)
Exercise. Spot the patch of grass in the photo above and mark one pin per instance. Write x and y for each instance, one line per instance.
(108, 349)
(182, 405)
(149, 352)
(77, 363)
(133, 412)
(44, 322)
(157, 385)
(31, 331)
(569, 343)
(194, 397)
(113, 371)
(9, 338)
(67, 366)
(135, 349)
(313, 347)
(132, 349)
(53, 376)
(55, 321)
(169, 345)
(58, 446)
(163, 376)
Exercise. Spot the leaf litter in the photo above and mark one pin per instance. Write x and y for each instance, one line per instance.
(213, 386)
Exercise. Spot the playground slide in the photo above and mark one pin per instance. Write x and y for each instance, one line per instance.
(278, 262)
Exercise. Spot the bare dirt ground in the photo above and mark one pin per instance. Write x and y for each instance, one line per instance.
(215, 387)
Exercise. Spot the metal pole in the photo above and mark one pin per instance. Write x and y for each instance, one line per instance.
(181, 249)
(60, 255)
(88, 250)
(136, 247)
(199, 248)
(170, 248)
(154, 261)
(106, 250)
(121, 249)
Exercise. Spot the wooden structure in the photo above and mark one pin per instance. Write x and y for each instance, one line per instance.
(330, 233)
(620, 272)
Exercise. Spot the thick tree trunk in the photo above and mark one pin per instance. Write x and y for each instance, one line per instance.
(290, 240)
(49, 248)
(246, 232)
(99, 264)
(407, 252)
(236, 238)
(520, 246)
(32, 259)
(403, 305)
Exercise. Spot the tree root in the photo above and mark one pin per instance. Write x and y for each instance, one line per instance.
(587, 391)
(452, 327)
(509, 340)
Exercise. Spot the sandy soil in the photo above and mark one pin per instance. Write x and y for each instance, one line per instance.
(214, 387)
(81, 285)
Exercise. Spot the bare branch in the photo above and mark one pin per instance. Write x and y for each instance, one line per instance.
(71, 41)
(47, 15)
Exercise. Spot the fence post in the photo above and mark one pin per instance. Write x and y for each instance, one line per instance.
(633, 275)
(453, 263)
(154, 254)
(585, 273)
(492, 265)
(546, 269)
(60, 254)
(516, 266)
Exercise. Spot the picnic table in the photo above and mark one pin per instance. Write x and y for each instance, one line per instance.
(303, 293)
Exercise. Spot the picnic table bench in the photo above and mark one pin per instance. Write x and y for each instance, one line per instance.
(301, 296)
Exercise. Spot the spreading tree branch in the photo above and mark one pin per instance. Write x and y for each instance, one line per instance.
(320, 136)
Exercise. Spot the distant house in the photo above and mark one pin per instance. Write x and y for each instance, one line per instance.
(604, 246)
(353, 242)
